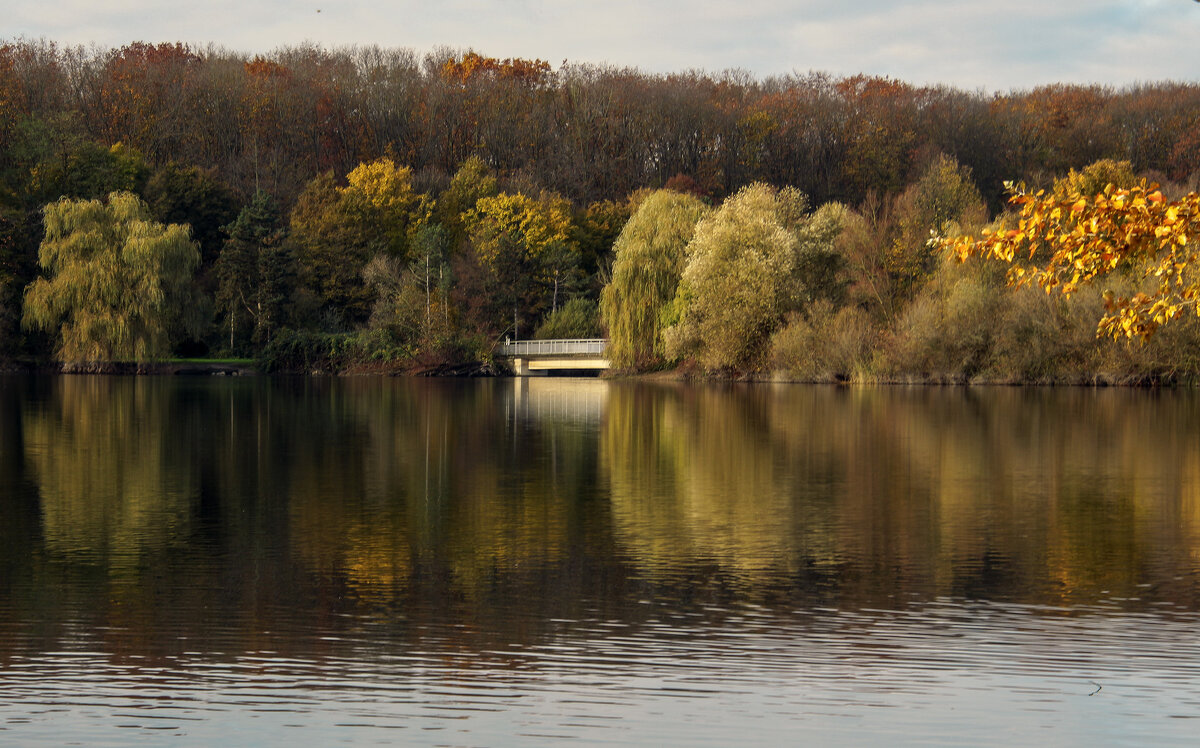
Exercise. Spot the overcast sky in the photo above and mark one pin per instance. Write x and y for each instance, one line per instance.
(969, 44)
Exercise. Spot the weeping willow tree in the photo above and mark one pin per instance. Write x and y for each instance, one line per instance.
(648, 263)
(115, 280)
(748, 264)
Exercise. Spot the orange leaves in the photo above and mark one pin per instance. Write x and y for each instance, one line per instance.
(472, 65)
(263, 69)
(873, 87)
(1072, 239)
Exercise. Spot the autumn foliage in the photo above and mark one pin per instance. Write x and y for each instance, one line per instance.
(1063, 241)
(426, 206)
(474, 66)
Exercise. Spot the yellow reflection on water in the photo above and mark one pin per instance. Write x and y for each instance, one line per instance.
(694, 475)
(113, 483)
(929, 491)
(881, 493)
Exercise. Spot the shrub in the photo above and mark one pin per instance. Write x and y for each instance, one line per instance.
(578, 318)
(305, 351)
(1042, 338)
(946, 333)
(824, 344)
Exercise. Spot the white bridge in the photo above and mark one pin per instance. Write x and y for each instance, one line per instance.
(539, 357)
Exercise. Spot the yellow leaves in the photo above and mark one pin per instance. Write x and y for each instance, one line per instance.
(503, 222)
(380, 200)
(113, 279)
(382, 185)
(1162, 311)
(962, 251)
(1069, 239)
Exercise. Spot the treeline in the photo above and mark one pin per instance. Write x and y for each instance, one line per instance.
(365, 204)
(586, 132)
(766, 287)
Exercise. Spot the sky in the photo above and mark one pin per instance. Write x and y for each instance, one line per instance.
(991, 46)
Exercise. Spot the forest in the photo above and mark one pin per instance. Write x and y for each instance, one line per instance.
(368, 209)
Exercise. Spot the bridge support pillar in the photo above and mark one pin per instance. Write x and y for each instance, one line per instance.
(522, 369)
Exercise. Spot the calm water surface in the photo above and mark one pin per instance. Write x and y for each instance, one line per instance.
(385, 561)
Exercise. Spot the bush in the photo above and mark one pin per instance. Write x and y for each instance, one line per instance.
(578, 318)
(823, 345)
(946, 333)
(305, 351)
(1042, 338)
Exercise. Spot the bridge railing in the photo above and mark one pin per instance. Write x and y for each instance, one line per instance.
(581, 347)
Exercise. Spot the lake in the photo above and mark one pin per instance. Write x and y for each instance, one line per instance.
(320, 561)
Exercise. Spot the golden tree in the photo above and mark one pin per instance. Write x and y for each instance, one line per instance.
(1065, 240)
(649, 258)
(115, 279)
(741, 277)
(512, 236)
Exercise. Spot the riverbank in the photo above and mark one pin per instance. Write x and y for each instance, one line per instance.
(694, 375)
(686, 372)
(238, 368)
(163, 368)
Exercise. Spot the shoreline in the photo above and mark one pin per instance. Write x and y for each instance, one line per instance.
(165, 368)
(684, 375)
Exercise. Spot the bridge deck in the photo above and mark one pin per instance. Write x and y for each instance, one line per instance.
(542, 356)
(577, 347)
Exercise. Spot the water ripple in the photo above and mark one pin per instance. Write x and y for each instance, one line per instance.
(985, 665)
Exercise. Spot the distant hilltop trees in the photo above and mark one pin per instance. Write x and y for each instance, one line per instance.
(586, 132)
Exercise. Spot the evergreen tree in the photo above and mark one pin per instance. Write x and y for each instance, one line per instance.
(254, 274)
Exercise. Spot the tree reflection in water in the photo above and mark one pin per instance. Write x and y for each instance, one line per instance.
(218, 510)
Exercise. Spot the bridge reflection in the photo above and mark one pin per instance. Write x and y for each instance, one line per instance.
(550, 399)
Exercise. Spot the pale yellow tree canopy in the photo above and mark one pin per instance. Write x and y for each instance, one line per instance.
(739, 279)
(114, 280)
(649, 258)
